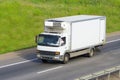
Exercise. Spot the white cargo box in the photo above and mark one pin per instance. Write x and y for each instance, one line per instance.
(85, 30)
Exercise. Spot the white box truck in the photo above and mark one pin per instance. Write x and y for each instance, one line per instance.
(71, 36)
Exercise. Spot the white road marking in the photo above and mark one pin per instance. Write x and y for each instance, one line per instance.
(113, 41)
(17, 63)
(36, 58)
(49, 69)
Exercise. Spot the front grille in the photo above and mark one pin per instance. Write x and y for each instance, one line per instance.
(49, 58)
(47, 53)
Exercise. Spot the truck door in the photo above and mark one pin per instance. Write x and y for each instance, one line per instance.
(62, 45)
(102, 30)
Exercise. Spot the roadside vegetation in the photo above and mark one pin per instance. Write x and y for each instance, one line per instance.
(21, 20)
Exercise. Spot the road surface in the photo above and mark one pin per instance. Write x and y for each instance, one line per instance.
(24, 65)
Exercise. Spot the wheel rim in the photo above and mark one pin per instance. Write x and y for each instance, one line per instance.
(66, 59)
(91, 52)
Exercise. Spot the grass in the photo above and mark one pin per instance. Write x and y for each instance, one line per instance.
(21, 20)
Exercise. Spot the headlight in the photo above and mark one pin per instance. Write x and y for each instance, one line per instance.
(57, 53)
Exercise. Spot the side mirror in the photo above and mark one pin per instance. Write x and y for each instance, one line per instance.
(36, 38)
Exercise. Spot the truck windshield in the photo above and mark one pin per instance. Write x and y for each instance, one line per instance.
(48, 40)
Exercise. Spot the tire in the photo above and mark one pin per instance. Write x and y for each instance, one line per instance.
(66, 59)
(44, 61)
(91, 53)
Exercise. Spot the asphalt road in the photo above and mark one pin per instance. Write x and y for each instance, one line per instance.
(26, 67)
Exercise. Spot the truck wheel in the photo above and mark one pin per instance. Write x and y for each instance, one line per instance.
(66, 59)
(44, 61)
(91, 53)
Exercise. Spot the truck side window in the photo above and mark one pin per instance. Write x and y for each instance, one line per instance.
(63, 41)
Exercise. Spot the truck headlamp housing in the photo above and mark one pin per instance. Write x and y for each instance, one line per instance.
(57, 53)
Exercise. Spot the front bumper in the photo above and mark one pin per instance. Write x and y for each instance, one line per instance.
(49, 57)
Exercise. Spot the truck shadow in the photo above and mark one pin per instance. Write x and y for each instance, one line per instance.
(28, 54)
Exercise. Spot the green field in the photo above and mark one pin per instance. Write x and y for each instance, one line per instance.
(21, 20)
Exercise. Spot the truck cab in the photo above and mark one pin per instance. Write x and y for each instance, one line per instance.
(52, 44)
